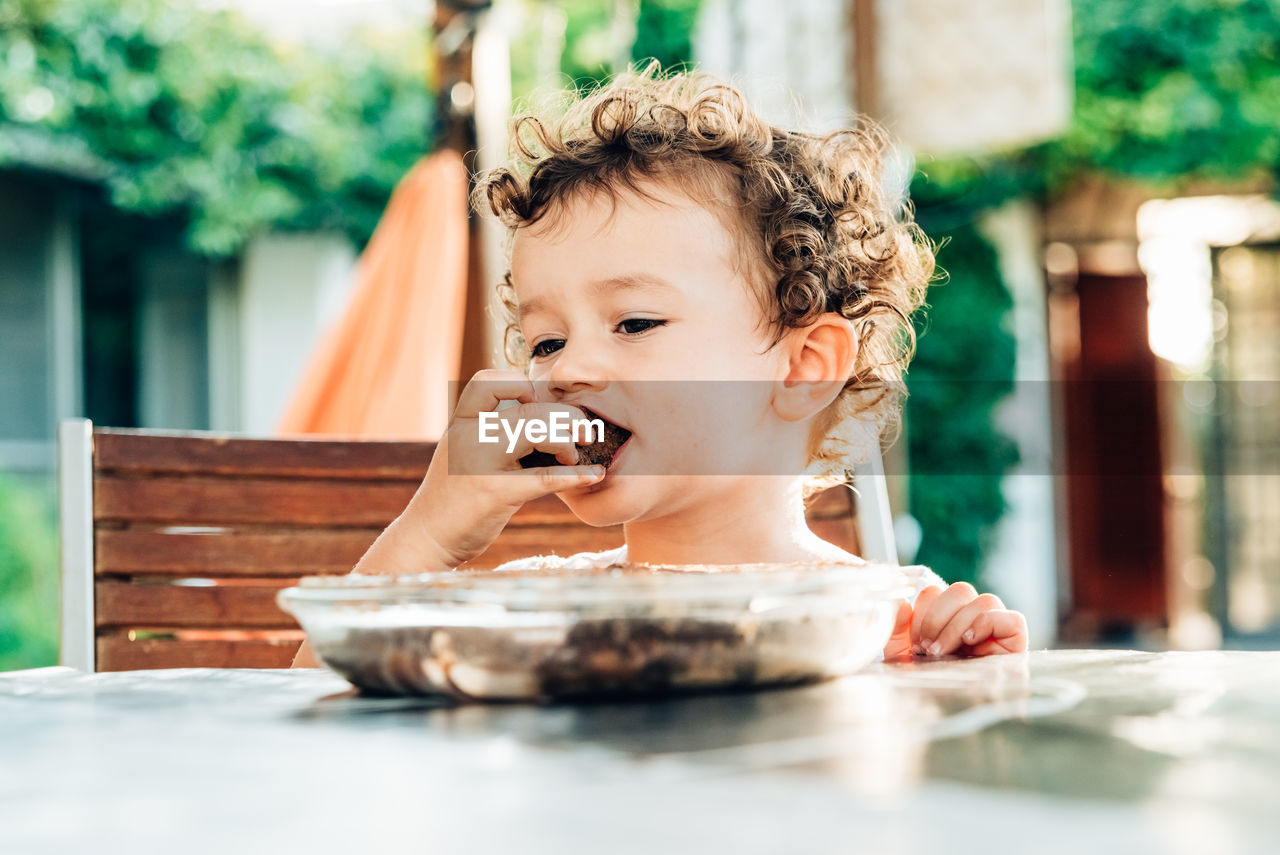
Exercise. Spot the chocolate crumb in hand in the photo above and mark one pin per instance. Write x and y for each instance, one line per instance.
(601, 452)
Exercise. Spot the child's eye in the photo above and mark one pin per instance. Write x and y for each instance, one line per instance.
(635, 326)
(546, 347)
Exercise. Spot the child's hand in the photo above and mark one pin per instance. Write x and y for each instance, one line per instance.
(957, 620)
(472, 488)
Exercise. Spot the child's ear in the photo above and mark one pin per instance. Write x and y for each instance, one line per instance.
(819, 359)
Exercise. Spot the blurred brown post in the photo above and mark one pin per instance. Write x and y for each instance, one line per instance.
(862, 19)
(453, 37)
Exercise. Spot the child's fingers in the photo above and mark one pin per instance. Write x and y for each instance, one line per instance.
(940, 612)
(487, 388)
(950, 639)
(997, 631)
(535, 483)
(924, 601)
(899, 643)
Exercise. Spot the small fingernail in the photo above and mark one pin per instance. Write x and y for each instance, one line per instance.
(968, 636)
(915, 648)
(935, 648)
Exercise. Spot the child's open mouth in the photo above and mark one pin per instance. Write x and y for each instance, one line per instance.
(601, 452)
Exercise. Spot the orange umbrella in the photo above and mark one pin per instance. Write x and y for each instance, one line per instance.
(384, 370)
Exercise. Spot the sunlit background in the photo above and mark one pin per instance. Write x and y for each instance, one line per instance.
(187, 189)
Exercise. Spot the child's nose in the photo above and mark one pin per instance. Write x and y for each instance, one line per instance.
(577, 369)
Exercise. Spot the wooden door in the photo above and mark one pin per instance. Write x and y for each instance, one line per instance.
(1115, 499)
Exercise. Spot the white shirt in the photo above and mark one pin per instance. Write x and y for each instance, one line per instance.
(609, 557)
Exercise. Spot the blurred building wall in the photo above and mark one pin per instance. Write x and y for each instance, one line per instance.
(215, 344)
(794, 60)
(946, 75)
(291, 288)
(959, 76)
(173, 328)
(40, 354)
(1213, 267)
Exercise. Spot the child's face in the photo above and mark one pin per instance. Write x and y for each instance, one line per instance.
(652, 291)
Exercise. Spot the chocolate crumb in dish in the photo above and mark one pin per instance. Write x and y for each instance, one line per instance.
(596, 659)
(601, 452)
(634, 657)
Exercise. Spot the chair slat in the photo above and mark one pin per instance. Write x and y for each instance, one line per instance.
(317, 551)
(125, 605)
(206, 454)
(250, 603)
(215, 501)
(233, 553)
(308, 553)
(278, 502)
(116, 652)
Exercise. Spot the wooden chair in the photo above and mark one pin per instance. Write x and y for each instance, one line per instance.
(175, 544)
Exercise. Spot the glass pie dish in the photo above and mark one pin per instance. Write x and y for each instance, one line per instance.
(621, 631)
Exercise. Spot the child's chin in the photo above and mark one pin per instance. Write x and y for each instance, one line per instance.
(599, 506)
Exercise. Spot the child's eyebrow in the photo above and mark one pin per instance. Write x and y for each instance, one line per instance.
(625, 282)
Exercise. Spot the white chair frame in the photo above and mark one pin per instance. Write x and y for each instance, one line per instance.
(75, 507)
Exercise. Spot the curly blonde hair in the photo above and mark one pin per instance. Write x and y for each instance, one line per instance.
(815, 223)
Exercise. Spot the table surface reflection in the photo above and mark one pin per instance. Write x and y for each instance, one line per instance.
(1051, 751)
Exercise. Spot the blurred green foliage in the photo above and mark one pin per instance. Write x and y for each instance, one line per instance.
(1173, 91)
(964, 361)
(663, 31)
(963, 367)
(183, 110)
(28, 578)
(1168, 94)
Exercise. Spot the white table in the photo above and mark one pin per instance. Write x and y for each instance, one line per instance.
(1057, 751)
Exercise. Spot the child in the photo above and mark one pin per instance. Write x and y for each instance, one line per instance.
(663, 232)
